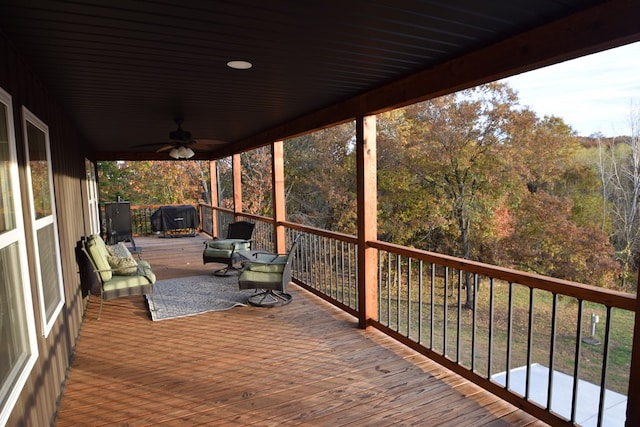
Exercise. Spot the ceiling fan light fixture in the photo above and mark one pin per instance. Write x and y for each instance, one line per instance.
(188, 153)
(174, 153)
(181, 152)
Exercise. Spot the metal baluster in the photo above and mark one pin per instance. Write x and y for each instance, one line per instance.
(459, 326)
(445, 322)
(335, 270)
(552, 346)
(473, 321)
(344, 296)
(509, 333)
(409, 297)
(605, 367)
(432, 303)
(490, 346)
(316, 263)
(355, 284)
(529, 345)
(388, 289)
(399, 284)
(420, 301)
(576, 368)
(380, 279)
(323, 248)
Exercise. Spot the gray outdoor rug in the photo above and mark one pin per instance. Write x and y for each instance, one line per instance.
(188, 296)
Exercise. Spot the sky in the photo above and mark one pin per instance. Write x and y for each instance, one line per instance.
(593, 94)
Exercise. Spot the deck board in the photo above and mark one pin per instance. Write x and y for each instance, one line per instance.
(304, 364)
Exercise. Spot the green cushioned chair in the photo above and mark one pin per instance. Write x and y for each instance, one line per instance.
(270, 274)
(227, 251)
(101, 278)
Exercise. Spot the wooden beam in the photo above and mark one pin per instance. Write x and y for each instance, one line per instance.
(215, 202)
(236, 166)
(277, 186)
(143, 156)
(367, 220)
(607, 25)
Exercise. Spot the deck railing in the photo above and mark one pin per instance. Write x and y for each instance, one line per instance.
(141, 218)
(559, 349)
(206, 222)
(326, 264)
(528, 338)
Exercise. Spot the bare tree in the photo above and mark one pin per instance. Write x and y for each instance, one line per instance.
(605, 175)
(622, 185)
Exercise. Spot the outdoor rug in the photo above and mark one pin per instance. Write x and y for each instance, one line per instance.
(188, 296)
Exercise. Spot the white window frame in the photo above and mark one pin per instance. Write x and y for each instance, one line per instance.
(92, 197)
(47, 323)
(17, 379)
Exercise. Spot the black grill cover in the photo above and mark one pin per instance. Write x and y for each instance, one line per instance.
(168, 218)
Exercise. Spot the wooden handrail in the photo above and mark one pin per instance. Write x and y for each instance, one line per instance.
(577, 290)
(321, 232)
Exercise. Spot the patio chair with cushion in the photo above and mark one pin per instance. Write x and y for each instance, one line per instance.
(111, 271)
(227, 251)
(269, 273)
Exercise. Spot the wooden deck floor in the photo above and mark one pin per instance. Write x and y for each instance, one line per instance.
(303, 364)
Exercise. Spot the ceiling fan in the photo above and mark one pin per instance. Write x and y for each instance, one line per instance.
(181, 142)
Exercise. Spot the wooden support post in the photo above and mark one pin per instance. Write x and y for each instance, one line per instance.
(277, 185)
(215, 202)
(367, 219)
(237, 185)
(633, 395)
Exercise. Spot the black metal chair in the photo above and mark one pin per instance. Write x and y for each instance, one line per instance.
(270, 273)
(227, 251)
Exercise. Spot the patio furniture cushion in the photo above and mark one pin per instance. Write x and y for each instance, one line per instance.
(256, 271)
(119, 250)
(223, 248)
(99, 253)
(123, 266)
(144, 264)
(121, 260)
(126, 285)
(261, 279)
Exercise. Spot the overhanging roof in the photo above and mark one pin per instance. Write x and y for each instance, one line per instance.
(124, 70)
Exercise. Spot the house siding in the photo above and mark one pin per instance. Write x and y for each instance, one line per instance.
(38, 400)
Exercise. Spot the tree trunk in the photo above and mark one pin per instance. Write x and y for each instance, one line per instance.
(463, 224)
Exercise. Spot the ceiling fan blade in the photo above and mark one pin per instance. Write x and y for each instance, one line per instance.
(210, 143)
(151, 145)
(181, 139)
(165, 148)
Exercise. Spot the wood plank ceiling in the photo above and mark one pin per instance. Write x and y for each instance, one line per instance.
(124, 70)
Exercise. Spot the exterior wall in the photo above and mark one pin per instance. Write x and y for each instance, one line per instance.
(37, 403)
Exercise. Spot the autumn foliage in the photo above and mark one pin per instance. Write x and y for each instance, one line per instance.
(154, 182)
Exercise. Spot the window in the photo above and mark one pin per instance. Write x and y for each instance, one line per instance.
(18, 351)
(40, 181)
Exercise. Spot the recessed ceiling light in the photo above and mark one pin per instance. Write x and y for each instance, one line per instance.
(239, 65)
